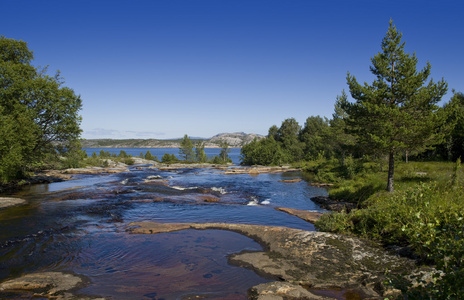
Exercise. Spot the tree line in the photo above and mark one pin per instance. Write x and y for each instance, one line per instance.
(397, 114)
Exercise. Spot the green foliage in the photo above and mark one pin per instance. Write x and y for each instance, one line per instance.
(186, 149)
(224, 154)
(200, 154)
(17, 142)
(149, 156)
(385, 115)
(262, 152)
(38, 115)
(315, 135)
(169, 158)
(123, 154)
(426, 213)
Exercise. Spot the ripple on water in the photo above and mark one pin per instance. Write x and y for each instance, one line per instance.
(171, 265)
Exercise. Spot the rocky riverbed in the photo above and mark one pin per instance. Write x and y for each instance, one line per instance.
(302, 264)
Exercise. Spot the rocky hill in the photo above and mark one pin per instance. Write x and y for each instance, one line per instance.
(234, 140)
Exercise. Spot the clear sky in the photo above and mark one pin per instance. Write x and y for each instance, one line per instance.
(162, 69)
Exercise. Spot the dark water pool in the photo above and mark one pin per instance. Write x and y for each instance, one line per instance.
(81, 226)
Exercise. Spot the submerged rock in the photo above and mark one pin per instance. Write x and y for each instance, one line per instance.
(8, 202)
(306, 258)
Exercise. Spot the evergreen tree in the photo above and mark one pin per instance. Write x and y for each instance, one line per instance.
(341, 141)
(149, 156)
(398, 111)
(186, 149)
(453, 147)
(200, 154)
(224, 154)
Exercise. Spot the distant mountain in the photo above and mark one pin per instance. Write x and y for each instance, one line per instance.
(234, 140)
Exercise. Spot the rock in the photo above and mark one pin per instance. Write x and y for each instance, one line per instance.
(95, 170)
(55, 285)
(291, 180)
(279, 290)
(307, 258)
(8, 202)
(334, 205)
(308, 216)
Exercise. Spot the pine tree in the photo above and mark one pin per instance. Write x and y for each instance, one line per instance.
(398, 111)
(186, 149)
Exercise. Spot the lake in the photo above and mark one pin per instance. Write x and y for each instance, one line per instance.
(80, 226)
(234, 153)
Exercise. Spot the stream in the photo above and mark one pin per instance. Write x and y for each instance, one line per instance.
(80, 226)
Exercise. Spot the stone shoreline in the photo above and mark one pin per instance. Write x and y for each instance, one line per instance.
(304, 262)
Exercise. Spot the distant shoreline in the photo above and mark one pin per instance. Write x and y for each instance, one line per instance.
(154, 147)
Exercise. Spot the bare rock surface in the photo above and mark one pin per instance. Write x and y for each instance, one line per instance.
(308, 216)
(279, 290)
(306, 258)
(52, 285)
(8, 202)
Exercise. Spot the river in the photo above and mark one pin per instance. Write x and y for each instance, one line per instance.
(80, 226)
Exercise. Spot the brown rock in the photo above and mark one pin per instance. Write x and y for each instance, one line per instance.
(291, 180)
(308, 216)
(317, 259)
(55, 285)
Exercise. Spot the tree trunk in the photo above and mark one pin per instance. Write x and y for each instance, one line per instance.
(391, 170)
(407, 156)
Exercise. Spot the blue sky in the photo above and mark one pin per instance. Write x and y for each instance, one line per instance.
(162, 69)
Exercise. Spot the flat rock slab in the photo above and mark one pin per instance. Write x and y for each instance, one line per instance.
(294, 180)
(54, 285)
(308, 216)
(307, 258)
(7, 202)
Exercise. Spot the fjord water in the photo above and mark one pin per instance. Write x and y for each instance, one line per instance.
(81, 225)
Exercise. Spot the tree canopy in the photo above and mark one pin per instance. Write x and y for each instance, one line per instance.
(38, 114)
(399, 110)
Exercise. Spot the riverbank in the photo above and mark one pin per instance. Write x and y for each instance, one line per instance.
(320, 262)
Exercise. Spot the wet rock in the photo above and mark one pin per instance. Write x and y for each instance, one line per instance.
(291, 180)
(95, 170)
(334, 205)
(8, 202)
(55, 285)
(308, 216)
(308, 258)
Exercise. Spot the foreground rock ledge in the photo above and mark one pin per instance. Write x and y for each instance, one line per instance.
(52, 285)
(317, 260)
